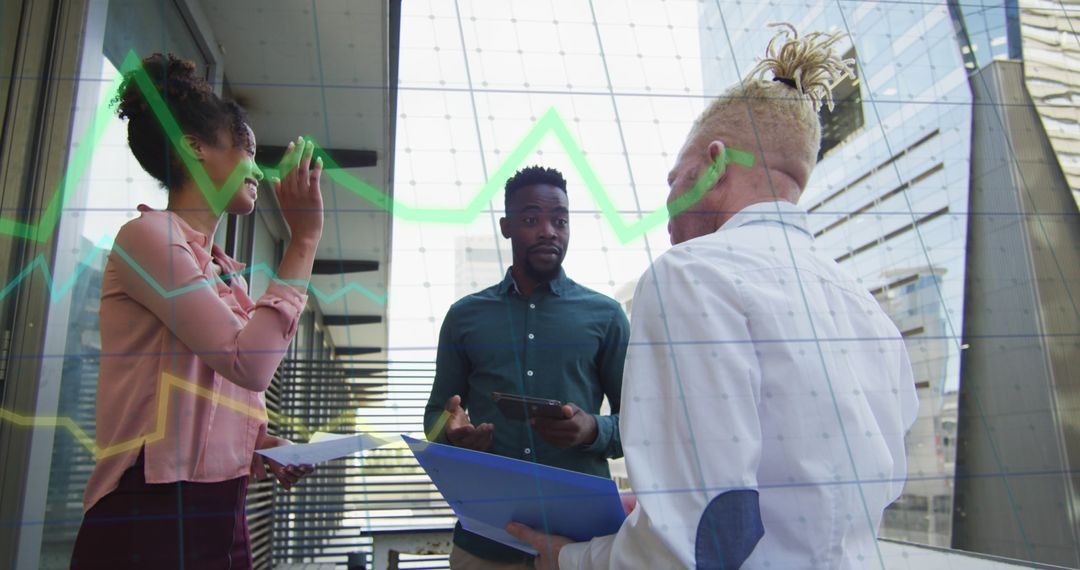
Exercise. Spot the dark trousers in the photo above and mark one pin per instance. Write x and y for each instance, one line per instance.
(163, 526)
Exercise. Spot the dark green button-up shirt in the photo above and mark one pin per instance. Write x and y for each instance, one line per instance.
(564, 342)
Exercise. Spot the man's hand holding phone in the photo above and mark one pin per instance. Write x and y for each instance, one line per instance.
(461, 432)
(575, 428)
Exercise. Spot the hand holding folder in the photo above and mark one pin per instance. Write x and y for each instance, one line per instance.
(489, 491)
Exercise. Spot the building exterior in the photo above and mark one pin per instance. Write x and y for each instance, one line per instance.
(1018, 428)
(924, 512)
(1044, 36)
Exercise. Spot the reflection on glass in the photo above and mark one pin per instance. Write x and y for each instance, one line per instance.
(111, 188)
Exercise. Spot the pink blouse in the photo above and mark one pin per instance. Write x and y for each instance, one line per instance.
(184, 358)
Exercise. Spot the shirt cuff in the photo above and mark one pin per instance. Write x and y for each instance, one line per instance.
(287, 301)
(570, 555)
(604, 428)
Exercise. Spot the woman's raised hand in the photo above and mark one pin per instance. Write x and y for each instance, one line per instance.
(298, 191)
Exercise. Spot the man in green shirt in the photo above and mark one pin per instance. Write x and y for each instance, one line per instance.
(536, 333)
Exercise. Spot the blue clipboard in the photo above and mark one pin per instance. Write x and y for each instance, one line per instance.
(489, 491)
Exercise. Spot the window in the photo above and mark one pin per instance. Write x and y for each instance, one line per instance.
(110, 188)
(846, 116)
(9, 28)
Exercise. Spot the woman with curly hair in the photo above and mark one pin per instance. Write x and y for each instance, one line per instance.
(186, 354)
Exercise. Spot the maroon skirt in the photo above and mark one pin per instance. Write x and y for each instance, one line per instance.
(162, 526)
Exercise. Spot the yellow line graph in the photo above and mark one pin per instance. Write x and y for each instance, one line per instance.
(169, 384)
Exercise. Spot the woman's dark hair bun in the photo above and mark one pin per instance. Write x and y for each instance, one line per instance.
(176, 80)
(191, 101)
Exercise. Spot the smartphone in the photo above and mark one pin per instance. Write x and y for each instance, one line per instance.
(517, 407)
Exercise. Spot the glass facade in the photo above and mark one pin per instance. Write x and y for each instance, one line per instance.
(609, 88)
(991, 30)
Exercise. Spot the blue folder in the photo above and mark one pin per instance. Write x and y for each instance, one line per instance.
(488, 491)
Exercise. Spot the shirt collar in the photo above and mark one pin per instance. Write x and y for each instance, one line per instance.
(778, 212)
(191, 235)
(198, 240)
(557, 285)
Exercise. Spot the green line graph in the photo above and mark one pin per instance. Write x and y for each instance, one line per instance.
(257, 268)
(550, 124)
(57, 289)
(167, 386)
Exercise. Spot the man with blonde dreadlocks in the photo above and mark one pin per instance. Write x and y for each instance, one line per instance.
(766, 394)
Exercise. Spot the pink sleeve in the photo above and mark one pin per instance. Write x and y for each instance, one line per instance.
(159, 270)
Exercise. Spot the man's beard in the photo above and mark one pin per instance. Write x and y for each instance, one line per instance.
(541, 276)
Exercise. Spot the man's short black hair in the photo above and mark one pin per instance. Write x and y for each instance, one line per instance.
(533, 176)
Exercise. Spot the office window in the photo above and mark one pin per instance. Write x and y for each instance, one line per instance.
(847, 115)
(111, 187)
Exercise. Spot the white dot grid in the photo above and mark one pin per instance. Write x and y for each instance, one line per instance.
(507, 41)
(652, 72)
(915, 91)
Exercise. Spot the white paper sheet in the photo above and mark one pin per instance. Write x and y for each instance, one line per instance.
(322, 447)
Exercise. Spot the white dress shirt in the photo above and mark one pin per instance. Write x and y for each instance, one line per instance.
(757, 363)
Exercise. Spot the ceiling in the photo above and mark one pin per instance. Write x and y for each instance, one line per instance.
(326, 70)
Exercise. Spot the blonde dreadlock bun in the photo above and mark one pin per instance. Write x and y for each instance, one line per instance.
(807, 61)
(778, 120)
